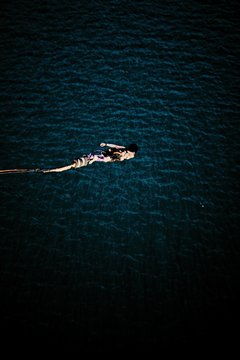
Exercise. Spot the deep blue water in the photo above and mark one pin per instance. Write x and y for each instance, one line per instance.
(143, 253)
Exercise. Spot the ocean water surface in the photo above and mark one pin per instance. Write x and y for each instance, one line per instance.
(143, 253)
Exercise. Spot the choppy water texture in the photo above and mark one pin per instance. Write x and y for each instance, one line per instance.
(142, 253)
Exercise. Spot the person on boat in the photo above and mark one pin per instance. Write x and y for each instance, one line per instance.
(111, 154)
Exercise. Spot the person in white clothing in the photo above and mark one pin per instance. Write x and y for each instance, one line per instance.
(111, 154)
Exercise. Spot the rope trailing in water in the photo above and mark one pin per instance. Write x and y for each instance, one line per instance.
(83, 161)
(23, 171)
(17, 171)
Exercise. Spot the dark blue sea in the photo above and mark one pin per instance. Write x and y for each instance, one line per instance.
(141, 254)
